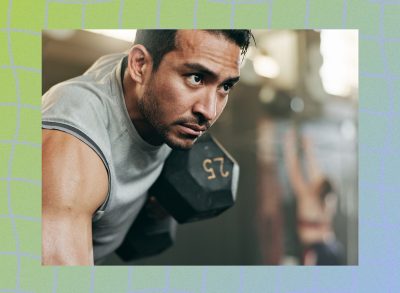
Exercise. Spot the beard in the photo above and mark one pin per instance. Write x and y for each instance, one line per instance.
(153, 115)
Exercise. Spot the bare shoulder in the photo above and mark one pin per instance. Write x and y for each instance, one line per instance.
(74, 176)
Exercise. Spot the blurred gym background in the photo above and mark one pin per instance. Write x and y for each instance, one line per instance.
(305, 80)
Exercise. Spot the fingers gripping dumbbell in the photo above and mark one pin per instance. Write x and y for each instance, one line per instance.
(152, 232)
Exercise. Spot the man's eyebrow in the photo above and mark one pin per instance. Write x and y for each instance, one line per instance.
(232, 80)
(200, 68)
(206, 71)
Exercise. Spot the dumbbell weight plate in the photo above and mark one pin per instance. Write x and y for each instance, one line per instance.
(198, 183)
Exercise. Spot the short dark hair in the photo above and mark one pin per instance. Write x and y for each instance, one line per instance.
(160, 42)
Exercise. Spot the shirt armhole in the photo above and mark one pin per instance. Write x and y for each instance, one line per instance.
(87, 140)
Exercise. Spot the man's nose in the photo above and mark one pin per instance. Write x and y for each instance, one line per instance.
(206, 106)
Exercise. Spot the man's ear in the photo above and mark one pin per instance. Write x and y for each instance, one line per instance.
(139, 63)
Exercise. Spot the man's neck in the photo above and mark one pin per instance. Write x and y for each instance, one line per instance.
(145, 130)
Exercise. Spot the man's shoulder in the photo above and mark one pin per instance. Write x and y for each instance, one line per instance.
(75, 93)
(105, 64)
(96, 85)
(76, 104)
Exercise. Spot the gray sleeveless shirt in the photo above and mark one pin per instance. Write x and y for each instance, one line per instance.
(91, 107)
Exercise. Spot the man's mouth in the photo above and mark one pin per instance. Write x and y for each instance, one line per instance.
(192, 129)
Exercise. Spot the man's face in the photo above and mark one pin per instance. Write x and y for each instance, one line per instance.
(189, 90)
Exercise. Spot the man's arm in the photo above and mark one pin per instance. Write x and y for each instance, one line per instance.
(293, 167)
(75, 184)
(313, 168)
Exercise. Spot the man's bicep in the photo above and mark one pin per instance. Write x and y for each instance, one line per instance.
(73, 175)
(75, 184)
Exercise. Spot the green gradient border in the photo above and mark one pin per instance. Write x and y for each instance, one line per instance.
(20, 159)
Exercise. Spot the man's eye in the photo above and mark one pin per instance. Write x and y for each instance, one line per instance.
(227, 87)
(195, 79)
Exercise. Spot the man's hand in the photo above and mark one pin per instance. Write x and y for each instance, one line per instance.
(75, 184)
(154, 209)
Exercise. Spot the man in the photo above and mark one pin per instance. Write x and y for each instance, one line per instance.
(107, 133)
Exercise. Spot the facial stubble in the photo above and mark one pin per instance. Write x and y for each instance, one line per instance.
(152, 112)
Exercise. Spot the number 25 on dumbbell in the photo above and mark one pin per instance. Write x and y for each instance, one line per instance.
(208, 167)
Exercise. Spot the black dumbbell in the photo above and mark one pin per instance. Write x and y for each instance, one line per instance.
(195, 184)
(199, 183)
(150, 234)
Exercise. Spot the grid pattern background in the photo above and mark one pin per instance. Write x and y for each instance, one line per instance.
(21, 22)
